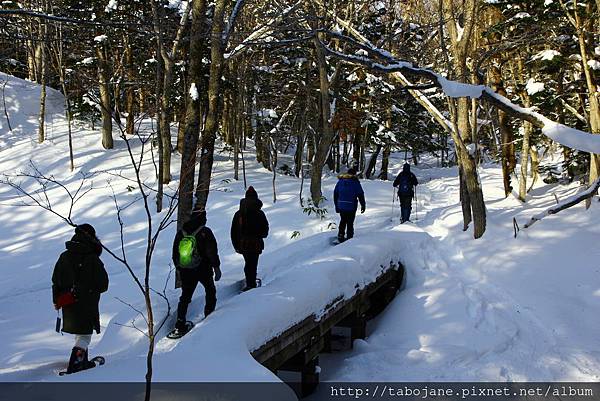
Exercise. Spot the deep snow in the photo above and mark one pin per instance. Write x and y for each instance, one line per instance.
(496, 309)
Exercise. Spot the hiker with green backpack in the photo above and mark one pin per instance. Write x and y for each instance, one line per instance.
(196, 258)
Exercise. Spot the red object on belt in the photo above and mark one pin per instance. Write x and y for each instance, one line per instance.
(65, 299)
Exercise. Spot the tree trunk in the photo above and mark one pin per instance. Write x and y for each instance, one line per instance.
(193, 117)
(527, 128)
(465, 201)
(594, 96)
(42, 116)
(373, 162)
(212, 118)
(385, 162)
(165, 121)
(326, 131)
(105, 98)
(461, 45)
(356, 148)
(160, 78)
(129, 91)
(299, 154)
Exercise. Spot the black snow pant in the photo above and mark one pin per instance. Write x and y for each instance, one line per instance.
(250, 267)
(347, 224)
(189, 280)
(405, 207)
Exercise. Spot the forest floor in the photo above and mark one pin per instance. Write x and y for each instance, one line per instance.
(493, 309)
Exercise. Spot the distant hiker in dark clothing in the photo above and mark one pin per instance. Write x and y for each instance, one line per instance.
(77, 282)
(248, 229)
(196, 257)
(406, 181)
(348, 192)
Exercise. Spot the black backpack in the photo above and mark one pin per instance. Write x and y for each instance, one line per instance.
(404, 186)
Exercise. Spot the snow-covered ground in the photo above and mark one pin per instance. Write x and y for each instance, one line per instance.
(497, 308)
(494, 309)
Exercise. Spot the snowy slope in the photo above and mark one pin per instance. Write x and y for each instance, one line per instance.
(301, 275)
(492, 309)
(495, 309)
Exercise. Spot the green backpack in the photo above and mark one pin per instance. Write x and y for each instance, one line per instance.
(188, 248)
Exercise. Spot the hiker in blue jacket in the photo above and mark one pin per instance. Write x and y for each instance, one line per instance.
(405, 181)
(348, 192)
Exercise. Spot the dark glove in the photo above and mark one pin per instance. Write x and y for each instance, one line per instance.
(217, 274)
(362, 209)
(337, 210)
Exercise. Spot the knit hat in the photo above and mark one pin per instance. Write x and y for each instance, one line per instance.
(251, 193)
(352, 171)
(85, 229)
(406, 167)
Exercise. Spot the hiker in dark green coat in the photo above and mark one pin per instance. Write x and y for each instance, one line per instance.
(78, 280)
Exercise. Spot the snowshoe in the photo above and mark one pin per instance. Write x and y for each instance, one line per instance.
(85, 365)
(180, 332)
(246, 288)
(336, 240)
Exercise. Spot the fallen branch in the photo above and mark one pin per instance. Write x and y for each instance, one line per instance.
(571, 201)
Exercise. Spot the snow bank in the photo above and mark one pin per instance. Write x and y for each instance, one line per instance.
(22, 100)
(495, 309)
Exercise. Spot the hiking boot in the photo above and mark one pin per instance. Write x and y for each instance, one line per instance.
(208, 311)
(180, 325)
(341, 238)
(181, 328)
(87, 364)
(77, 360)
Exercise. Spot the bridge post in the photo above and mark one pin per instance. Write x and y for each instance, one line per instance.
(327, 342)
(310, 377)
(357, 323)
(359, 328)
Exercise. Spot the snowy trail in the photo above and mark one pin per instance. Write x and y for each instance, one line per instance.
(492, 309)
(465, 316)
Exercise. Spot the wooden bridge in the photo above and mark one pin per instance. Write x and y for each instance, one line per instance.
(297, 349)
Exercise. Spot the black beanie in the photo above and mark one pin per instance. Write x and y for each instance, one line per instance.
(86, 229)
(251, 193)
(352, 171)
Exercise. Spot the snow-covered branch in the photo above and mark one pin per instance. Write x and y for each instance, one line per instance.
(283, 117)
(265, 30)
(66, 20)
(567, 136)
(571, 201)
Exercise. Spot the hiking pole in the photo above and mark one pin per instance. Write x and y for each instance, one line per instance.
(393, 202)
(416, 206)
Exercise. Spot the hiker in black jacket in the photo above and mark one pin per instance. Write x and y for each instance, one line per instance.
(78, 280)
(248, 228)
(203, 262)
(406, 181)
